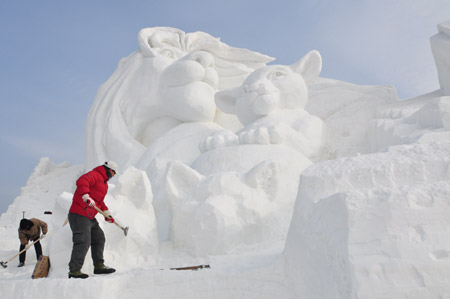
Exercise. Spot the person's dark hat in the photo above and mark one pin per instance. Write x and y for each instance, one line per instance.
(25, 224)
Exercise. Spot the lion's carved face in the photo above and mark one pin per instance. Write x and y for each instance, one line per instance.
(186, 87)
(181, 88)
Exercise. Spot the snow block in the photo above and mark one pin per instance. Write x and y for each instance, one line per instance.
(373, 226)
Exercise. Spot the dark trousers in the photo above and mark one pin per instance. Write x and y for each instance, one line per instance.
(37, 248)
(85, 233)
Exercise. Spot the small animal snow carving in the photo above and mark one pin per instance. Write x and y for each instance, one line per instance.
(217, 213)
(270, 104)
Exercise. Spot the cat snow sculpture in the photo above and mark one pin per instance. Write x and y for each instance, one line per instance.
(270, 104)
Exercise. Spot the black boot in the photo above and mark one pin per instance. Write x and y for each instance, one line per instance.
(100, 268)
(77, 274)
(21, 264)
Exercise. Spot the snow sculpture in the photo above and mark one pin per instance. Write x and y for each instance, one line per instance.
(180, 143)
(347, 110)
(270, 104)
(233, 188)
(233, 197)
(170, 80)
(427, 119)
(224, 211)
(440, 46)
(159, 103)
(374, 225)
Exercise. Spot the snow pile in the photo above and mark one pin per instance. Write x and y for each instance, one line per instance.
(289, 185)
(47, 182)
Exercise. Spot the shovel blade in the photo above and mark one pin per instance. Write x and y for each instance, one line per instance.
(125, 231)
(4, 264)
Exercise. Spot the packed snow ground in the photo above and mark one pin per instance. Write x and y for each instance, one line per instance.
(365, 217)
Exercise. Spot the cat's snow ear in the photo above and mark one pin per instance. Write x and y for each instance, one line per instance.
(226, 99)
(263, 176)
(309, 66)
(181, 181)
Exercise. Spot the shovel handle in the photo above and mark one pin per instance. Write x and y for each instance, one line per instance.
(108, 216)
(103, 213)
(25, 249)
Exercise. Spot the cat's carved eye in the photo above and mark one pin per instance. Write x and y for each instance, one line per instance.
(276, 75)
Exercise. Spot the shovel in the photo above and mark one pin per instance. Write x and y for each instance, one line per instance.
(5, 264)
(125, 229)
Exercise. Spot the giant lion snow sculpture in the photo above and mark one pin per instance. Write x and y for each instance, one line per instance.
(170, 80)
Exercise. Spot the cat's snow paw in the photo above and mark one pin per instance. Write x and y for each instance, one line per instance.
(218, 139)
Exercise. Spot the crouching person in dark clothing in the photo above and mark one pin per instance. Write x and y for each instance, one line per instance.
(30, 229)
(86, 232)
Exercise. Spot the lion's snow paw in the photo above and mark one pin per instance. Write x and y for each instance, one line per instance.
(261, 135)
(218, 139)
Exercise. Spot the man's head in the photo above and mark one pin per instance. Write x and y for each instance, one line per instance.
(111, 168)
(25, 224)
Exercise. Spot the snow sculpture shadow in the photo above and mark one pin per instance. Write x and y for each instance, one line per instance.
(170, 80)
(270, 104)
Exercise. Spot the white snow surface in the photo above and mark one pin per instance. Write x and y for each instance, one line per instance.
(287, 184)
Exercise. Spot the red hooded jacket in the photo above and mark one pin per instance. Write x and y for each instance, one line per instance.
(94, 183)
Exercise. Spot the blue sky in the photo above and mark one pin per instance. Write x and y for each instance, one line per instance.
(55, 54)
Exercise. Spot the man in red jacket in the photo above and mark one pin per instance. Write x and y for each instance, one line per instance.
(86, 232)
